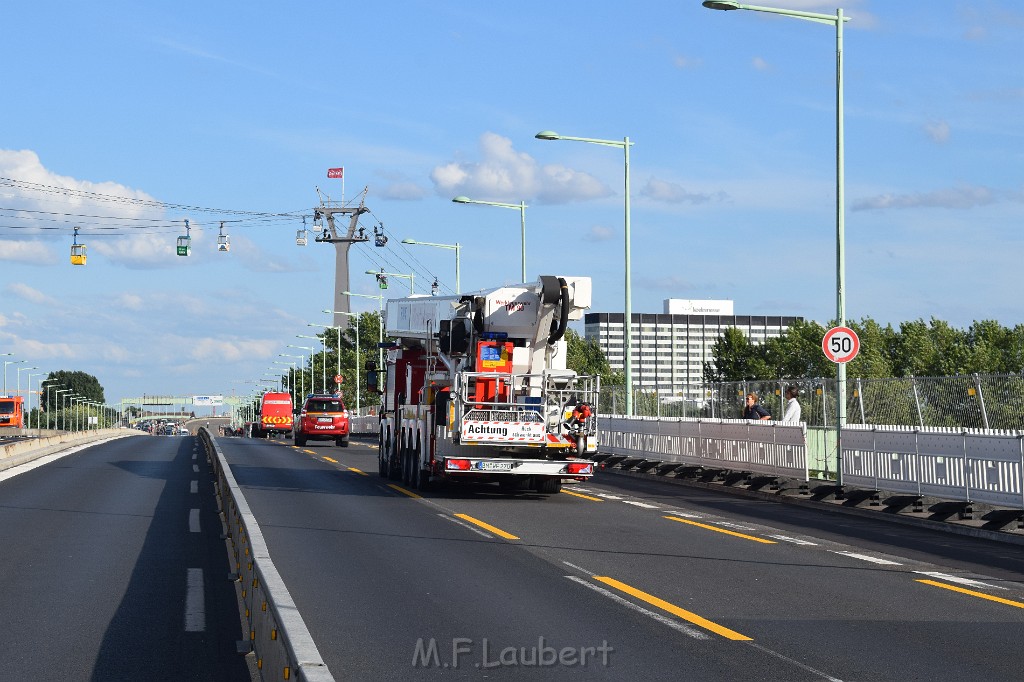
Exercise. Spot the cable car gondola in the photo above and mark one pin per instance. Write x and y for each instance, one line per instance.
(223, 240)
(185, 242)
(77, 251)
(301, 235)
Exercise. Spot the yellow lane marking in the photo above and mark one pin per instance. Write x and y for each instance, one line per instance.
(361, 473)
(487, 526)
(332, 461)
(403, 491)
(585, 497)
(673, 609)
(721, 530)
(310, 452)
(982, 595)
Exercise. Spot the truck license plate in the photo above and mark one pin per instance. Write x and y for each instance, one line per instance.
(494, 466)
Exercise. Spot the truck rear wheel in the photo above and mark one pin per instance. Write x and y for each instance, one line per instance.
(300, 440)
(382, 449)
(341, 442)
(548, 486)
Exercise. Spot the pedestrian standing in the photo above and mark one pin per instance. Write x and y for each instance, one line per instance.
(792, 413)
(753, 410)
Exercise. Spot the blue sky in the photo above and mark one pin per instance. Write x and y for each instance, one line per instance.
(191, 106)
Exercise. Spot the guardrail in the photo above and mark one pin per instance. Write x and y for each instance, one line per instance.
(367, 425)
(969, 465)
(764, 447)
(283, 646)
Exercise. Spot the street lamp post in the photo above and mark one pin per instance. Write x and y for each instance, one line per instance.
(455, 247)
(836, 20)
(380, 325)
(301, 372)
(311, 350)
(9, 362)
(521, 207)
(337, 329)
(411, 277)
(18, 372)
(323, 365)
(355, 316)
(39, 387)
(63, 415)
(628, 312)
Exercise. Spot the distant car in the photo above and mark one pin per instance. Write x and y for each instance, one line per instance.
(323, 417)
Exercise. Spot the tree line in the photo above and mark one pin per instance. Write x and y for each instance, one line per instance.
(915, 348)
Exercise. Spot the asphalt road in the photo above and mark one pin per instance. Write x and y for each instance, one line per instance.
(641, 579)
(113, 568)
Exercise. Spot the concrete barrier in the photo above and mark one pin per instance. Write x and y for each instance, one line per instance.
(14, 454)
(279, 637)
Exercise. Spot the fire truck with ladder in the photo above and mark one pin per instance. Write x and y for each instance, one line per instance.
(477, 389)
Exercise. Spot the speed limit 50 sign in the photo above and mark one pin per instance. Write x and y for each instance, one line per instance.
(840, 344)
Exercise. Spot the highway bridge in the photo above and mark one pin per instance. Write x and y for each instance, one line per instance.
(116, 566)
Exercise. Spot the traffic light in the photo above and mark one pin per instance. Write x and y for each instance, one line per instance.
(382, 280)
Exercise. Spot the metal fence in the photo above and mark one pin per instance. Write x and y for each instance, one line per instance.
(972, 401)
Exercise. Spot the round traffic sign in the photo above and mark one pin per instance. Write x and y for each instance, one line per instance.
(338, 379)
(840, 344)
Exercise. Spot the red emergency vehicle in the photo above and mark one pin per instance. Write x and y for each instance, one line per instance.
(275, 415)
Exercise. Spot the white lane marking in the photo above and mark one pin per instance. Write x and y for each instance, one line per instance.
(865, 557)
(795, 541)
(193, 521)
(585, 490)
(958, 579)
(195, 468)
(578, 568)
(194, 456)
(685, 515)
(195, 605)
(664, 620)
(467, 526)
(194, 487)
(641, 504)
(737, 526)
(608, 497)
(776, 654)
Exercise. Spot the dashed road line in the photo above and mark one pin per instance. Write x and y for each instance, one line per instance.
(195, 605)
(980, 595)
(795, 541)
(483, 524)
(193, 521)
(643, 505)
(330, 459)
(585, 497)
(959, 579)
(194, 487)
(664, 620)
(358, 471)
(721, 530)
(466, 526)
(865, 557)
(688, 616)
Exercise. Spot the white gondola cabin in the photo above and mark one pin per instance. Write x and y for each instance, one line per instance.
(223, 240)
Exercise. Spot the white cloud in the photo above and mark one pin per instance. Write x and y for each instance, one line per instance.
(976, 33)
(682, 62)
(938, 131)
(24, 291)
(504, 174)
(600, 233)
(130, 302)
(220, 351)
(30, 252)
(760, 64)
(674, 193)
(960, 197)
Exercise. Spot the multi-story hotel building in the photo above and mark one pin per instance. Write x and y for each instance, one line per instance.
(670, 349)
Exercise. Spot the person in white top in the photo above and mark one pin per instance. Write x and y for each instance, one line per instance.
(792, 413)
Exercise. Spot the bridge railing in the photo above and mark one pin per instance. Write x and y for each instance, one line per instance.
(764, 447)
